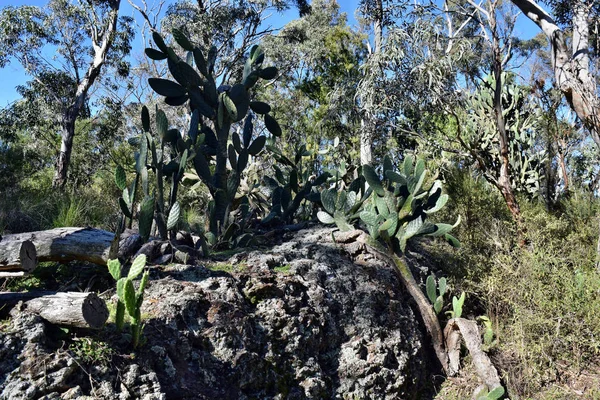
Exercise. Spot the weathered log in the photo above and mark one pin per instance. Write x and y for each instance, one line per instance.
(74, 309)
(68, 244)
(457, 327)
(17, 258)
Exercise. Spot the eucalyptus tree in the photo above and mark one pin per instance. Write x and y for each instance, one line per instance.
(382, 18)
(454, 97)
(572, 57)
(315, 94)
(84, 35)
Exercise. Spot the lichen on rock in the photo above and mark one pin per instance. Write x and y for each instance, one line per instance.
(327, 328)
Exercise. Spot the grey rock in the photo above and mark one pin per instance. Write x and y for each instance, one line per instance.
(302, 321)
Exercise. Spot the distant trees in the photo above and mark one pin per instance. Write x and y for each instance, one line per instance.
(84, 37)
(318, 57)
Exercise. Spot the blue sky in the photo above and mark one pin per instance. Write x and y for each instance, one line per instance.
(13, 75)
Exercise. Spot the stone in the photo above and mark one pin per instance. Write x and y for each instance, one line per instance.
(302, 321)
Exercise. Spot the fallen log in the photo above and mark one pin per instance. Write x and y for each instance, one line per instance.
(468, 330)
(68, 244)
(73, 309)
(17, 258)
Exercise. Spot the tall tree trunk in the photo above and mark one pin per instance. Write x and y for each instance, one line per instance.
(504, 182)
(66, 147)
(101, 47)
(368, 124)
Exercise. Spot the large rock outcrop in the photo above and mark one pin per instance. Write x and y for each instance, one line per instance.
(304, 319)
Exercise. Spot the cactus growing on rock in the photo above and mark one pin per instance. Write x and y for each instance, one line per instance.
(214, 111)
(128, 299)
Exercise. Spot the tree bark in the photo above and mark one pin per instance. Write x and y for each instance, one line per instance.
(469, 331)
(101, 49)
(504, 181)
(74, 309)
(68, 244)
(17, 258)
(571, 70)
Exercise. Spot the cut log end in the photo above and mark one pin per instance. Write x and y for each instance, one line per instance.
(28, 256)
(94, 311)
(17, 258)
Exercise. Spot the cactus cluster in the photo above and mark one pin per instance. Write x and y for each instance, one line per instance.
(525, 157)
(341, 206)
(214, 111)
(291, 185)
(165, 156)
(394, 209)
(400, 204)
(129, 299)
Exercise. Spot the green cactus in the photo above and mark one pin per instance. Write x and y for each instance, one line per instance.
(488, 334)
(457, 306)
(341, 206)
(436, 295)
(291, 185)
(400, 205)
(525, 157)
(215, 110)
(128, 299)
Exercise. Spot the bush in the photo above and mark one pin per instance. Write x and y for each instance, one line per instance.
(37, 206)
(543, 298)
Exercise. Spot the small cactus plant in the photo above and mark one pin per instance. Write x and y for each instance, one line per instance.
(436, 295)
(128, 299)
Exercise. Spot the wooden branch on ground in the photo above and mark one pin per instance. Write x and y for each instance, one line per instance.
(74, 309)
(17, 258)
(67, 244)
(457, 327)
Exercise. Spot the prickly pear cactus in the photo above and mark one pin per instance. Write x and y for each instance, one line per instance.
(395, 209)
(214, 111)
(521, 119)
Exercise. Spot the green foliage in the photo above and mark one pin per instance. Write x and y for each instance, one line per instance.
(128, 298)
(315, 98)
(292, 186)
(436, 295)
(541, 298)
(214, 113)
(70, 213)
(91, 351)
